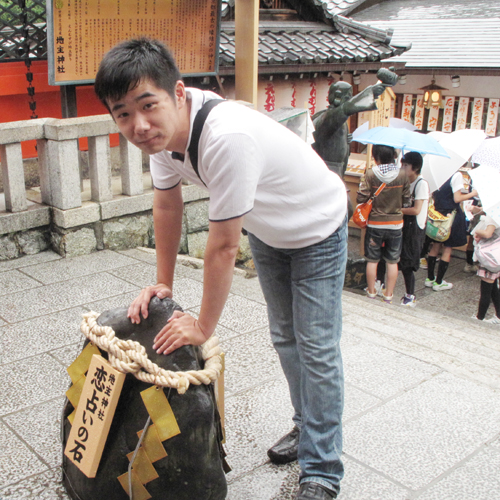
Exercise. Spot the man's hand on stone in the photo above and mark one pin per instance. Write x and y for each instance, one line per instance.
(141, 302)
(181, 329)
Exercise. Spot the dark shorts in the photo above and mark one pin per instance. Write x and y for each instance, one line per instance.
(383, 243)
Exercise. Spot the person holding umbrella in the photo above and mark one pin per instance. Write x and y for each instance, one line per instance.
(383, 237)
(447, 199)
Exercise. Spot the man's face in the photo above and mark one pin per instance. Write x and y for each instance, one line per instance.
(409, 170)
(150, 119)
(339, 94)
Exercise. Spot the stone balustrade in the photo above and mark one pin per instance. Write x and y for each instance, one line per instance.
(75, 217)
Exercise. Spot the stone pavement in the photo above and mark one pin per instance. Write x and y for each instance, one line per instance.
(422, 412)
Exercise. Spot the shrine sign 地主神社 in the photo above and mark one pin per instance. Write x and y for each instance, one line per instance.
(80, 32)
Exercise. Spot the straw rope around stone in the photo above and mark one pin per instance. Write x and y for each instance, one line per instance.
(128, 356)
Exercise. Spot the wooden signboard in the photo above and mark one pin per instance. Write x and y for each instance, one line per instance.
(381, 117)
(449, 107)
(407, 107)
(80, 32)
(94, 415)
(492, 117)
(477, 113)
(419, 112)
(433, 118)
(463, 109)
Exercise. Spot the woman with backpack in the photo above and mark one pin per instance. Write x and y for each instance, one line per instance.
(488, 229)
(447, 199)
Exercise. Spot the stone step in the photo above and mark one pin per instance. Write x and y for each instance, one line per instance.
(466, 348)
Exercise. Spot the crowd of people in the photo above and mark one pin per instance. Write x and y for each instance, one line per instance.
(396, 239)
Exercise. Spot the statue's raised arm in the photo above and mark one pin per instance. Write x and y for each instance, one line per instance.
(331, 132)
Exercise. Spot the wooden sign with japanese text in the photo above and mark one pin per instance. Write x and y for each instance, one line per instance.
(449, 108)
(407, 105)
(433, 118)
(94, 414)
(419, 112)
(492, 117)
(477, 113)
(463, 110)
(80, 32)
(381, 117)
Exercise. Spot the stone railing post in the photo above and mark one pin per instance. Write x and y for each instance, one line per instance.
(100, 168)
(11, 136)
(131, 168)
(59, 165)
(11, 158)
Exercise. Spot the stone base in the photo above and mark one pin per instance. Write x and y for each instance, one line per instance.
(22, 243)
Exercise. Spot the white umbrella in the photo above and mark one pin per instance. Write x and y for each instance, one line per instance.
(394, 123)
(489, 153)
(486, 180)
(460, 145)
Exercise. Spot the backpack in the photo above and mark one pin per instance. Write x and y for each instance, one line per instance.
(487, 253)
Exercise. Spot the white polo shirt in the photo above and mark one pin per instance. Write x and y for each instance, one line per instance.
(256, 167)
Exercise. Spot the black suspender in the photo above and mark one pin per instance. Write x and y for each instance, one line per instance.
(198, 123)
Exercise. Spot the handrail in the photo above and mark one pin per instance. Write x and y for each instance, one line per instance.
(57, 146)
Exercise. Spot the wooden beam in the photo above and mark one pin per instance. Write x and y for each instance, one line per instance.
(246, 50)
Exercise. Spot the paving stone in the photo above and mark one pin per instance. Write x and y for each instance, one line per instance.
(276, 482)
(122, 300)
(382, 372)
(16, 460)
(250, 360)
(248, 287)
(67, 354)
(357, 401)
(255, 420)
(39, 426)
(243, 315)
(70, 268)
(29, 260)
(463, 482)
(40, 334)
(15, 281)
(44, 486)
(30, 381)
(363, 483)
(59, 296)
(421, 434)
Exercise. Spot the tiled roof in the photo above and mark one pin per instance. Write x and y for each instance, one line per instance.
(338, 7)
(331, 7)
(305, 43)
(447, 43)
(391, 10)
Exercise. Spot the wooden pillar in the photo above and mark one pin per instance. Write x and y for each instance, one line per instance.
(68, 101)
(246, 50)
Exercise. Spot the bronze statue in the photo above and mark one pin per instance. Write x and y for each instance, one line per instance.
(332, 136)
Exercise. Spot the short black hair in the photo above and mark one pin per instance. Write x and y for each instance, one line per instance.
(415, 160)
(383, 154)
(129, 63)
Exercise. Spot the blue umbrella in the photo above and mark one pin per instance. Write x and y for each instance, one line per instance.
(404, 139)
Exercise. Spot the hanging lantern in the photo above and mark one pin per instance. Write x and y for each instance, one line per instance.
(433, 95)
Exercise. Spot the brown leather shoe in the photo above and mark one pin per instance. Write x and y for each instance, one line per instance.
(314, 491)
(285, 450)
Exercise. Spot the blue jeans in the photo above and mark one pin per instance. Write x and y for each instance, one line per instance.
(303, 291)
